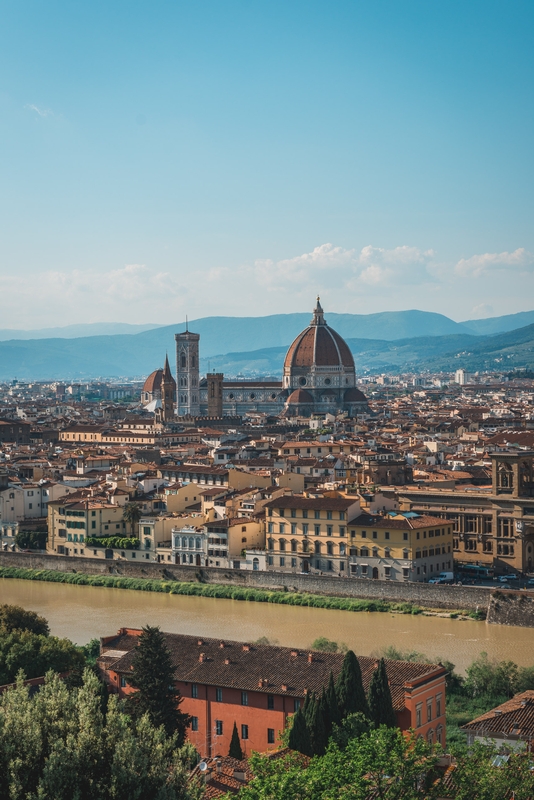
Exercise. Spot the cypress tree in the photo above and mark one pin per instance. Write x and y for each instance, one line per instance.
(235, 745)
(308, 707)
(333, 708)
(325, 714)
(153, 677)
(380, 702)
(299, 735)
(318, 736)
(349, 688)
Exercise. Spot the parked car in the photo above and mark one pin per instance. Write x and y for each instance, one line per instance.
(530, 582)
(506, 578)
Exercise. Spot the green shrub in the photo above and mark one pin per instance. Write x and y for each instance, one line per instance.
(113, 542)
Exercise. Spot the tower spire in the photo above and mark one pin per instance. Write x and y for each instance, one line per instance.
(318, 314)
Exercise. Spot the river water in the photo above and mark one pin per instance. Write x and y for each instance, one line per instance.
(81, 613)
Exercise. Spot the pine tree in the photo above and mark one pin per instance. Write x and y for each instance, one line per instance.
(299, 735)
(235, 745)
(153, 677)
(349, 688)
(380, 702)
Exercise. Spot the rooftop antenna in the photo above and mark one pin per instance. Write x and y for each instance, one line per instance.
(186, 324)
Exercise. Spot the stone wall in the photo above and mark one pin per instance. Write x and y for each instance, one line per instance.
(471, 598)
(511, 608)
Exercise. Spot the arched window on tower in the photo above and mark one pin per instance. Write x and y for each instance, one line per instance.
(193, 362)
(183, 361)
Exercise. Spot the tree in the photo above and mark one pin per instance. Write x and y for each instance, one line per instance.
(132, 514)
(333, 707)
(316, 726)
(235, 745)
(299, 735)
(384, 763)
(35, 654)
(351, 727)
(495, 678)
(153, 677)
(58, 744)
(16, 618)
(380, 702)
(349, 688)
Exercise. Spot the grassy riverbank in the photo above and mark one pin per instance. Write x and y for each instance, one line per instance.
(280, 597)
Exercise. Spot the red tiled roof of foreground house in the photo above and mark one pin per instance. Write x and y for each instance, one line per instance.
(267, 668)
(513, 718)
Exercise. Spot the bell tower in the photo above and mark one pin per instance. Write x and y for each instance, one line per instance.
(187, 374)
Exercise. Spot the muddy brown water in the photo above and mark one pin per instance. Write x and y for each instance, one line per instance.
(85, 612)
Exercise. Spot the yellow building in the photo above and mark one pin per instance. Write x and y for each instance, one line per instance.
(405, 547)
(309, 534)
(71, 522)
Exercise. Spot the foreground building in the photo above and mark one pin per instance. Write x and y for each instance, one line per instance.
(509, 726)
(259, 686)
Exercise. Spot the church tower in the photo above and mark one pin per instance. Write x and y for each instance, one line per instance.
(167, 393)
(187, 374)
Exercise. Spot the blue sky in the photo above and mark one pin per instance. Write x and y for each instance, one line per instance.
(222, 157)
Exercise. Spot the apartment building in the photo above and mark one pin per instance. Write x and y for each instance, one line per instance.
(401, 547)
(260, 686)
(491, 527)
(309, 534)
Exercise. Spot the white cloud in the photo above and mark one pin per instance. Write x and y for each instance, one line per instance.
(43, 112)
(481, 311)
(481, 264)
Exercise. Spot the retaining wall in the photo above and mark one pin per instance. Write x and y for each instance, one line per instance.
(511, 608)
(471, 598)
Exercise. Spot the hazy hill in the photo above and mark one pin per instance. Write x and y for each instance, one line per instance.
(75, 331)
(137, 355)
(509, 322)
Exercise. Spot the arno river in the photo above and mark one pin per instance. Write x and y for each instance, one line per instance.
(85, 612)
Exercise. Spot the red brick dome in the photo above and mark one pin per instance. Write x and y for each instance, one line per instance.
(153, 382)
(354, 396)
(318, 345)
(299, 397)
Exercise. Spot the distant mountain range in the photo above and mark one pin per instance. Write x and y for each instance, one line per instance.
(397, 341)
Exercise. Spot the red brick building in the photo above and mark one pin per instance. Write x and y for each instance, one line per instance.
(259, 686)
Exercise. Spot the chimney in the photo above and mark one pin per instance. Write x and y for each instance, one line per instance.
(226, 660)
(202, 657)
(221, 644)
(200, 642)
(294, 653)
(310, 658)
(246, 648)
(218, 764)
(284, 687)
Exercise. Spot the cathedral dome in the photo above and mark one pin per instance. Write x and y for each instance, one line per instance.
(153, 382)
(299, 397)
(318, 346)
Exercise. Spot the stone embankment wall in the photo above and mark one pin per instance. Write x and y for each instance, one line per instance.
(511, 608)
(470, 598)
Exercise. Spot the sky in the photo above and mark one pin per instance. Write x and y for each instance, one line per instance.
(238, 157)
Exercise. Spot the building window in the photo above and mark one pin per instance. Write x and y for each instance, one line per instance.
(244, 731)
(429, 711)
(194, 690)
(405, 573)
(270, 702)
(317, 515)
(244, 698)
(123, 682)
(342, 530)
(218, 695)
(270, 735)
(438, 705)
(419, 716)
(387, 572)
(317, 530)
(219, 727)
(305, 527)
(270, 561)
(364, 570)
(439, 734)
(296, 704)
(386, 534)
(194, 723)
(293, 562)
(405, 537)
(282, 561)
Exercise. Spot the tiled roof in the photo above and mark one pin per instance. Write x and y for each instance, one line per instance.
(312, 503)
(267, 668)
(398, 522)
(514, 718)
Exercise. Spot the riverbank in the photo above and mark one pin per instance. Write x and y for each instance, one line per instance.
(421, 595)
(226, 592)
